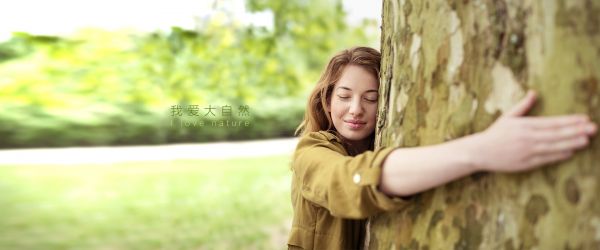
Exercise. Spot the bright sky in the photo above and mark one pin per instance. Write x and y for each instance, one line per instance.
(61, 17)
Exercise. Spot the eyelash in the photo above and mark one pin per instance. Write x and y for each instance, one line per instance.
(346, 98)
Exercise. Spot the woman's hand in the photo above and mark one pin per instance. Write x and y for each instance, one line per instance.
(517, 143)
(513, 143)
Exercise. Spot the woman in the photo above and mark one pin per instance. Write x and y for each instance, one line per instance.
(339, 180)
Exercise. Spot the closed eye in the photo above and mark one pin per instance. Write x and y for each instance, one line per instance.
(370, 98)
(343, 97)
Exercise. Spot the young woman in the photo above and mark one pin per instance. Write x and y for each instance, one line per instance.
(339, 180)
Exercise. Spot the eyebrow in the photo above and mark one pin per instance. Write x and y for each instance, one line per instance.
(346, 88)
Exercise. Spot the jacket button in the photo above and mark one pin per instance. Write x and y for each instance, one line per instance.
(356, 178)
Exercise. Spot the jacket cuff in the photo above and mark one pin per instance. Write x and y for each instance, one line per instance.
(372, 177)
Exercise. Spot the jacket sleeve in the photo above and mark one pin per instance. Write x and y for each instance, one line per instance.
(344, 185)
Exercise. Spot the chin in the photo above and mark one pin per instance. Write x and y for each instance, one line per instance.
(353, 136)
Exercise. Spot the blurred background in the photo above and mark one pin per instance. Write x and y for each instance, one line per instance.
(159, 124)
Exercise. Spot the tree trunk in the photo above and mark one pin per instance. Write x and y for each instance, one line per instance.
(449, 69)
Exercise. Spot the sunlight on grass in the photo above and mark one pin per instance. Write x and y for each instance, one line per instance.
(186, 204)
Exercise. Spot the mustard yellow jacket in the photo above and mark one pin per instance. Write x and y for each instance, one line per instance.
(333, 193)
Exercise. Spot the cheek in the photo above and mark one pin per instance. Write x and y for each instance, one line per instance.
(337, 109)
(372, 112)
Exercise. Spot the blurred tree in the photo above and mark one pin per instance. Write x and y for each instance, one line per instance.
(114, 87)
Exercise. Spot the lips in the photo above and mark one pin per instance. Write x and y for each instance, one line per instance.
(355, 124)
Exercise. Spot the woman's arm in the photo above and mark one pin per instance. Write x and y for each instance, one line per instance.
(513, 143)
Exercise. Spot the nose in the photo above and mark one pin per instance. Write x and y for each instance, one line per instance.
(356, 107)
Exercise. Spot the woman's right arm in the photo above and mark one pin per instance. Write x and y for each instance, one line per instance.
(513, 143)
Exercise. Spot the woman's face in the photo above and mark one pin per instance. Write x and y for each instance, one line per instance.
(353, 103)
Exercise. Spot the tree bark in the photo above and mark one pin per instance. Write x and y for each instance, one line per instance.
(449, 69)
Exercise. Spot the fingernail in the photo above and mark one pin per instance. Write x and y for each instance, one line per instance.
(591, 128)
(531, 92)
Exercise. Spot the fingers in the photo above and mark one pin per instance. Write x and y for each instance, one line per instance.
(569, 144)
(568, 137)
(563, 133)
(554, 121)
(523, 106)
(550, 158)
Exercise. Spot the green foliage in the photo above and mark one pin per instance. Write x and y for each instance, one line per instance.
(110, 87)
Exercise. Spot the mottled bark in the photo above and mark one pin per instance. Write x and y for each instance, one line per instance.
(449, 69)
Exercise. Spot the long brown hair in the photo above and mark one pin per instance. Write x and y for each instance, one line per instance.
(317, 118)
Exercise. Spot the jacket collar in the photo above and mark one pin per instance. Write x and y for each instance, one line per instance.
(331, 136)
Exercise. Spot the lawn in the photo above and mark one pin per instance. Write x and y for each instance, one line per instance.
(185, 204)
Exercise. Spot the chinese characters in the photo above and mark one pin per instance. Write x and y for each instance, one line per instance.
(215, 116)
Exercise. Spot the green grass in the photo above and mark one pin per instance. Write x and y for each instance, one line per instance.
(186, 204)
